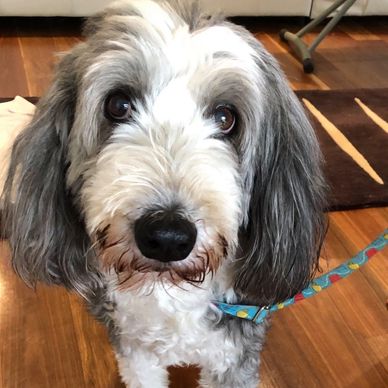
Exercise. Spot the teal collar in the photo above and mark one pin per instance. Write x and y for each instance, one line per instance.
(257, 314)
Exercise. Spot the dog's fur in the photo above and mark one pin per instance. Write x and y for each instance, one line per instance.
(78, 182)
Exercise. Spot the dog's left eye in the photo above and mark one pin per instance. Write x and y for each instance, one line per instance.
(118, 107)
(225, 118)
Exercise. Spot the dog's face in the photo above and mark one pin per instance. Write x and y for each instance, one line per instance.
(168, 144)
(160, 142)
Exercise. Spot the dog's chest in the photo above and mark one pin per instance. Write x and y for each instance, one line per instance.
(170, 323)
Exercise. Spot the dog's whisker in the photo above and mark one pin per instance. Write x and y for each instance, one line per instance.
(101, 235)
(113, 244)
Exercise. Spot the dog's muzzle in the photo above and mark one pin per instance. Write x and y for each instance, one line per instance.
(165, 235)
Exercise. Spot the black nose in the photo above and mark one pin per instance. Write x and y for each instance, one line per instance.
(165, 236)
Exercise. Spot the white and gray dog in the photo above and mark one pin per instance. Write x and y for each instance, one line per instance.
(169, 166)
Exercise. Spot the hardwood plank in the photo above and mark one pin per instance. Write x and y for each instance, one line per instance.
(290, 65)
(65, 43)
(44, 38)
(184, 376)
(43, 349)
(11, 63)
(94, 348)
(362, 66)
(379, 28)
(357, 31)
(33, 49)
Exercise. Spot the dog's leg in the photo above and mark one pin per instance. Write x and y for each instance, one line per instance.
(142, 369)
(243, 375)
(238, 365)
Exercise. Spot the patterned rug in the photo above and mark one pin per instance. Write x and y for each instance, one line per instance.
(352, 127)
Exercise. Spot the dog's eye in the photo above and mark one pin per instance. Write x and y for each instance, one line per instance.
(118, 107)
(225, 118)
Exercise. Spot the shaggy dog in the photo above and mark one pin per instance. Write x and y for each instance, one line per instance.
(168, 166)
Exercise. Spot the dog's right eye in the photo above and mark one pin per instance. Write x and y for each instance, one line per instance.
(225, 118)
(118, 107)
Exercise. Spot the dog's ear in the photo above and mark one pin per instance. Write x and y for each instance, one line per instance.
(47, 237)
(279, 246)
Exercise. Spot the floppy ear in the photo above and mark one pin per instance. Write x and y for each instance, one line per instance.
(47, 236)
(279, 247)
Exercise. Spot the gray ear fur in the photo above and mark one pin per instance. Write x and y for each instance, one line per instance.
(47, 237)
(279, 248)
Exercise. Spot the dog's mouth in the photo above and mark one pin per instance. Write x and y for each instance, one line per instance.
(158, 250)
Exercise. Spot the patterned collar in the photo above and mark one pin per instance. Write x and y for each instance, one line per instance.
(257, 314)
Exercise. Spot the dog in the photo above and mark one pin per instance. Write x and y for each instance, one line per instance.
(169, 166)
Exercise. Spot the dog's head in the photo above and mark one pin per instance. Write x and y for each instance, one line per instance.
(168, 144)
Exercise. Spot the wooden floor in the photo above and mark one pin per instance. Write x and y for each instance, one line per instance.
(337, 339)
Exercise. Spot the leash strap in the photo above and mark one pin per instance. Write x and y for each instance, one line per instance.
(258, 314)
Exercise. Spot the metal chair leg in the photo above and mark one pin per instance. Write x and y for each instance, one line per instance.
(301, 49)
